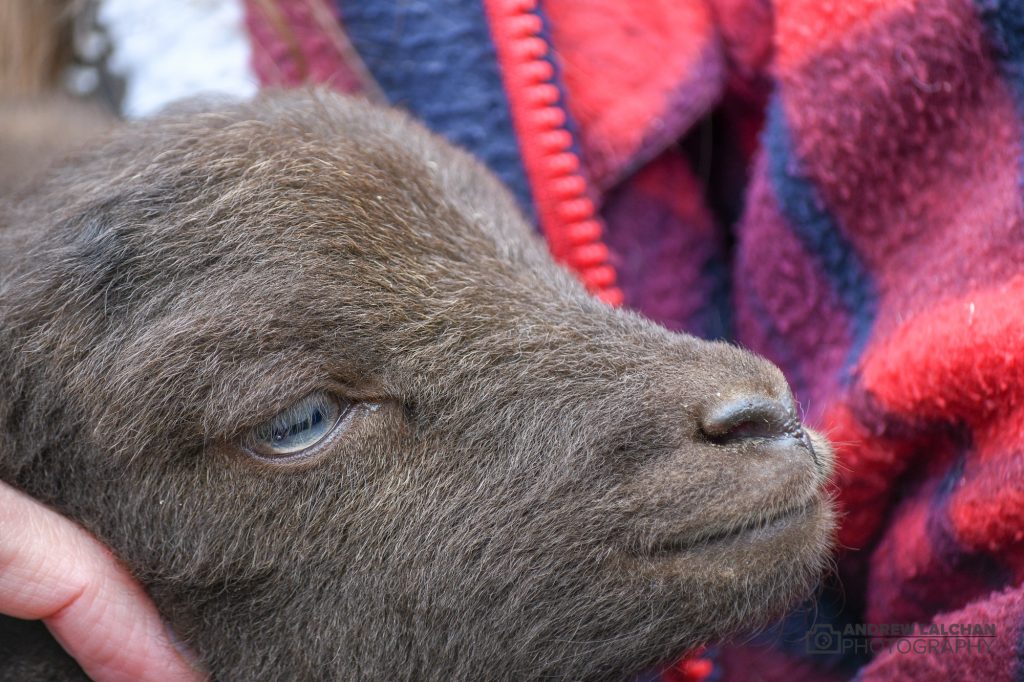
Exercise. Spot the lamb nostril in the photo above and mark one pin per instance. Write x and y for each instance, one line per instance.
(749, 418)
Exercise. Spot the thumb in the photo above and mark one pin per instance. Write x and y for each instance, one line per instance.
(53, 570)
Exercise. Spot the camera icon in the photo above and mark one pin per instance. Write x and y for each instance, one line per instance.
(822, 638)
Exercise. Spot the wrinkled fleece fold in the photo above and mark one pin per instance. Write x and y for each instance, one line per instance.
(836, 185)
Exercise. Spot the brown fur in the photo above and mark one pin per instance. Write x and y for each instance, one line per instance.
(529, 487)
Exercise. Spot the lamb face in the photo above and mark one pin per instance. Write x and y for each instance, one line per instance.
(304, 367)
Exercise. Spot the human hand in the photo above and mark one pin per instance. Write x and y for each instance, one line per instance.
(53, 570)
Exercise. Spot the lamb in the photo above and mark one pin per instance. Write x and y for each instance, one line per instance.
(304, 367)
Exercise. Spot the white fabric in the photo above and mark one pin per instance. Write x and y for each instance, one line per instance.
(169, 49)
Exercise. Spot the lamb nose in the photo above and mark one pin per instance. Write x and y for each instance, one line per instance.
(751, 417)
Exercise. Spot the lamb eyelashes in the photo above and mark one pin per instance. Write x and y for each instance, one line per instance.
(300, 430)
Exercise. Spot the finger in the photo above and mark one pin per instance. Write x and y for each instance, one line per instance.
(54, 571)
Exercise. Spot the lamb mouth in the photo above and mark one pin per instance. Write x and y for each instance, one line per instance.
(752, 530)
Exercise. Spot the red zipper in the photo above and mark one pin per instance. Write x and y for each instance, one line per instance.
(561, 193)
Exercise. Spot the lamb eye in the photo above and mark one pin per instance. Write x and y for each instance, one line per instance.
(298, 429)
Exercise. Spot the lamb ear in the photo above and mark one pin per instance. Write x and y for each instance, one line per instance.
(28, 411)
(12, 400)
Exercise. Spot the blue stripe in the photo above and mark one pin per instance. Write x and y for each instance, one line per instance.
(1004, 29)
(435, 58)
(570, 124)
(804, 209)
(714, 319)
(1004, 24)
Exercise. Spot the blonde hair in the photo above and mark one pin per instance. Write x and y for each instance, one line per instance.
(35, 44)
